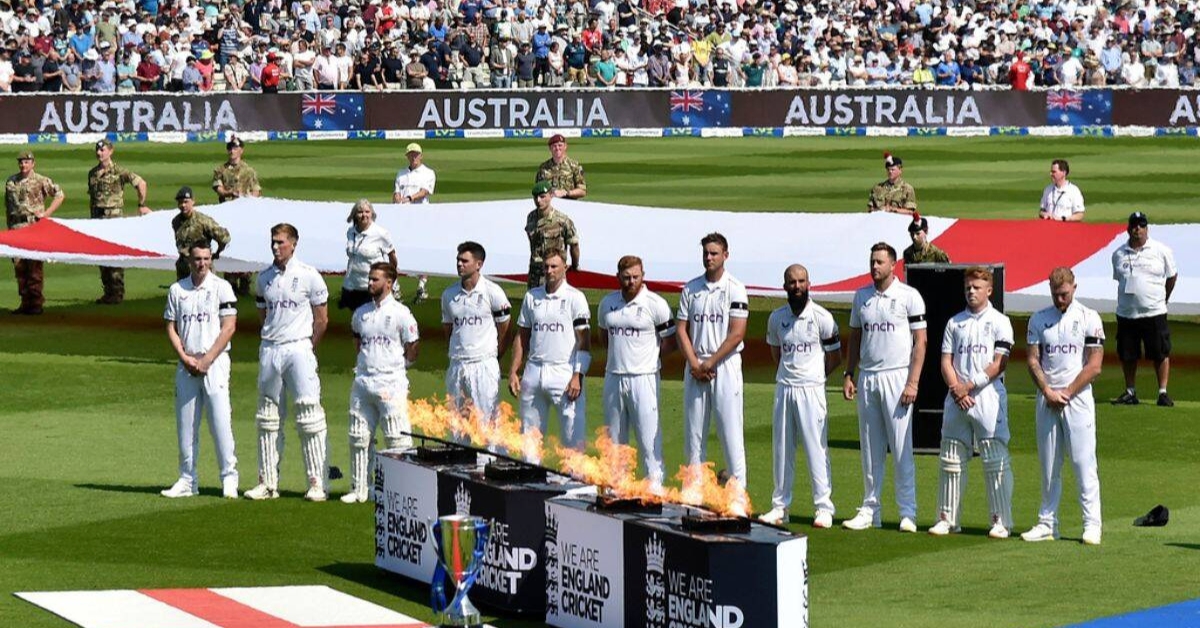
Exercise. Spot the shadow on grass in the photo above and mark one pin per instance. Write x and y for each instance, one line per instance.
(154, 490)
(1189, 546)
(843, 444)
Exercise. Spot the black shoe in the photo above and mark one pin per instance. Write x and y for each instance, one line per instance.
(1165, 400)
(109, 299)
(1126, 399)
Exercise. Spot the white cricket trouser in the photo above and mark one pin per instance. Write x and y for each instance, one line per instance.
(884, 422)
(290, 369)
(1071, 429)
(544, 386)
(290, 366)
(987, 419)
(721, 396)
(375, 399)
(476, 381)
(631, 405)
(192, 396)
(800, 416)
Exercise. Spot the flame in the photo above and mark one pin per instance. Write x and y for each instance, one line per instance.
(701, 487)
(612, 469)
(505, 433)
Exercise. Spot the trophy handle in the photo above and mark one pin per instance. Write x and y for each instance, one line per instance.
(438, 601)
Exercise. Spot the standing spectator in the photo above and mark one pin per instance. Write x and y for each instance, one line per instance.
(605, 69)
(237, 75)
(367, 243)
(26, 195)
(24, 77)
(126, 74)
(72, 73)
(303, 61)
(271, 74)
(576, 56)
(922, 250)
(541, 52)
(894, 194)
(754, 70)
(415, 73)
(52, 73)
(949, 74)
(1145, 273)
(192, 78)
(526, 64)
(325, 71)
(206, 68)
(1061, 200)
(148, 75)
(106, 70)
(106, 194)
(366, 72)
(555, 76)
(500, 63)
(548, 230)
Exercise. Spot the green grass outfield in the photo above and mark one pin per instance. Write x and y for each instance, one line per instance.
(87, 428)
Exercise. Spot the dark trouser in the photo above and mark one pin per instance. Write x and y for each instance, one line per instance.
(113, 280)
(537, 274)
(353, 299)
(182, 267)
(240, 282)
(29, 283)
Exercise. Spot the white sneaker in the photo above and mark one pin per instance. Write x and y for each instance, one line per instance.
(229, 488)
(823, 520)
(777, 517)
(353, 498)
(1040, 532)
(863, 520)
(181, 488)
(315, 492)
(998, 531)
(262, 491)
(943, 527)
(908, 525)
(1091, 535)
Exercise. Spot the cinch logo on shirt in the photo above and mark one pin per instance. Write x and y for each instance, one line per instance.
(549, 327)
(1061, 349)
(376, 341)
(200, 317)
(799, 347)
(708, 318)
(468, 321)
(972, 349)
(628, 332)
(884, 327)
(286, 304)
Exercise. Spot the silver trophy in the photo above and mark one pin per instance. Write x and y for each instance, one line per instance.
(460, 542)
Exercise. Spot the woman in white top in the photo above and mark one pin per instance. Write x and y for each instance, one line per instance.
(366, 243)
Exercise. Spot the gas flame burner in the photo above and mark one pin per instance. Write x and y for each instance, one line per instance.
(617, 503)
(715, 524)
(510, 471)
(445, 454)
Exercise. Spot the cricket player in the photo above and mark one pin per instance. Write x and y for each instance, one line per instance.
(293, 310)
(1066, 349)
(887, 339)
(804, 341)
(638, 331)
(554, 330)
(201, 317)
(475, 318)
(385, 339)
(711, 323)
(975, 349)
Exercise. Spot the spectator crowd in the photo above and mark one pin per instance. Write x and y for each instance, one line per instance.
(273, 45)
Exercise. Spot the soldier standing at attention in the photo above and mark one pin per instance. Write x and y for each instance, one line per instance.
(106, 194)
(548, 230)
(894, 194)
(922, 250)
(190, 227)
(25, 195)
(231, 180)
(564, 174)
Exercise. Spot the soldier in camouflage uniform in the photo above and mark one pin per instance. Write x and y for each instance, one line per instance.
(894, 194)
(106, 194)
(190, 227)
(564, 174)
(25, 196)
(548, 230)
(235, 179)
(922, 250)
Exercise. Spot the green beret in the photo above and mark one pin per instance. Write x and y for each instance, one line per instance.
(541, 187)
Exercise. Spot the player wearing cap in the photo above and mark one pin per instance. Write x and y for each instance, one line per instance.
(415, 185)
(804, 341)
(1061, 200)
(638, 332)
(26, 195)
(548, 230)
(292, 308)
(106, 194)
(201, 315)
(1145, 273)
(475, 318)
(386, 340)
(893, 194)
(711, 323)
(564, 174)
(232, 180)
(887, 339)
(922, 250)
(553, 333)
(1066, 351)
(975, 349)
(190, 227)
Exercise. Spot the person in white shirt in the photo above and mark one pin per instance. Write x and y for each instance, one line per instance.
(1145, 273)
(887, 339)
(711, 324)
(805, 343)
(367, 242)
(554, 333)
(201, 317)
(475, 318)
(1066, 351)
(1061, 200)
(637, 331)
(324, 69)
(386, 341)
(975, 350)
(293, 310)
(303, 61)
(415, 185)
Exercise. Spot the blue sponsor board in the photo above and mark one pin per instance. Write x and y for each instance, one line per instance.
(681, 132)
(1008, 130)
(851, 130)
(1093, 131)
(205, 136)
(523, 133)
(47, 138)
(925, 131)
(286, 136)
(602, 133)
(438, 134)
(762, 131)
(366, 135)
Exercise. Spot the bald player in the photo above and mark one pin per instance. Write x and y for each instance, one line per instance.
(804, 341)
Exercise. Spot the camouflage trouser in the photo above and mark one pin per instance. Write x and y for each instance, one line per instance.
(537, 274)
(29, 283)
(240, 282)
(112, 278)
(183, 267)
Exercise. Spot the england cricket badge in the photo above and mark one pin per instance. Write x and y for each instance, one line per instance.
(295, 284)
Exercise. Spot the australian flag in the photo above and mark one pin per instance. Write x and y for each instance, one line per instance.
(700, 108)
(331, 112)
(1086, 108)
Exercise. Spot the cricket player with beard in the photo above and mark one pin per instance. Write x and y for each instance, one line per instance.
(293, 309)
(1066, 351)
(804, 341)
(975, 349)
(711, 323)
(475, 318)
(638, 332)
(554, 329)
(201, 317)
(385, 339)
(887, 339)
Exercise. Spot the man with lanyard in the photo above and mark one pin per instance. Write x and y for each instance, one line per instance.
(1061, 200)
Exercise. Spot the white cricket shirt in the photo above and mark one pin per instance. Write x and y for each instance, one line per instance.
(197, 311)
(803, 341)
(552, 320)
(974, 340)
(1062, 203)
(887, 320)
(634, 328)
(363, 249)
(1141, 276)
(288, 296)
(1062, 337)
(708, 308)
(473, 317)
(410, 181)
(382, 330)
